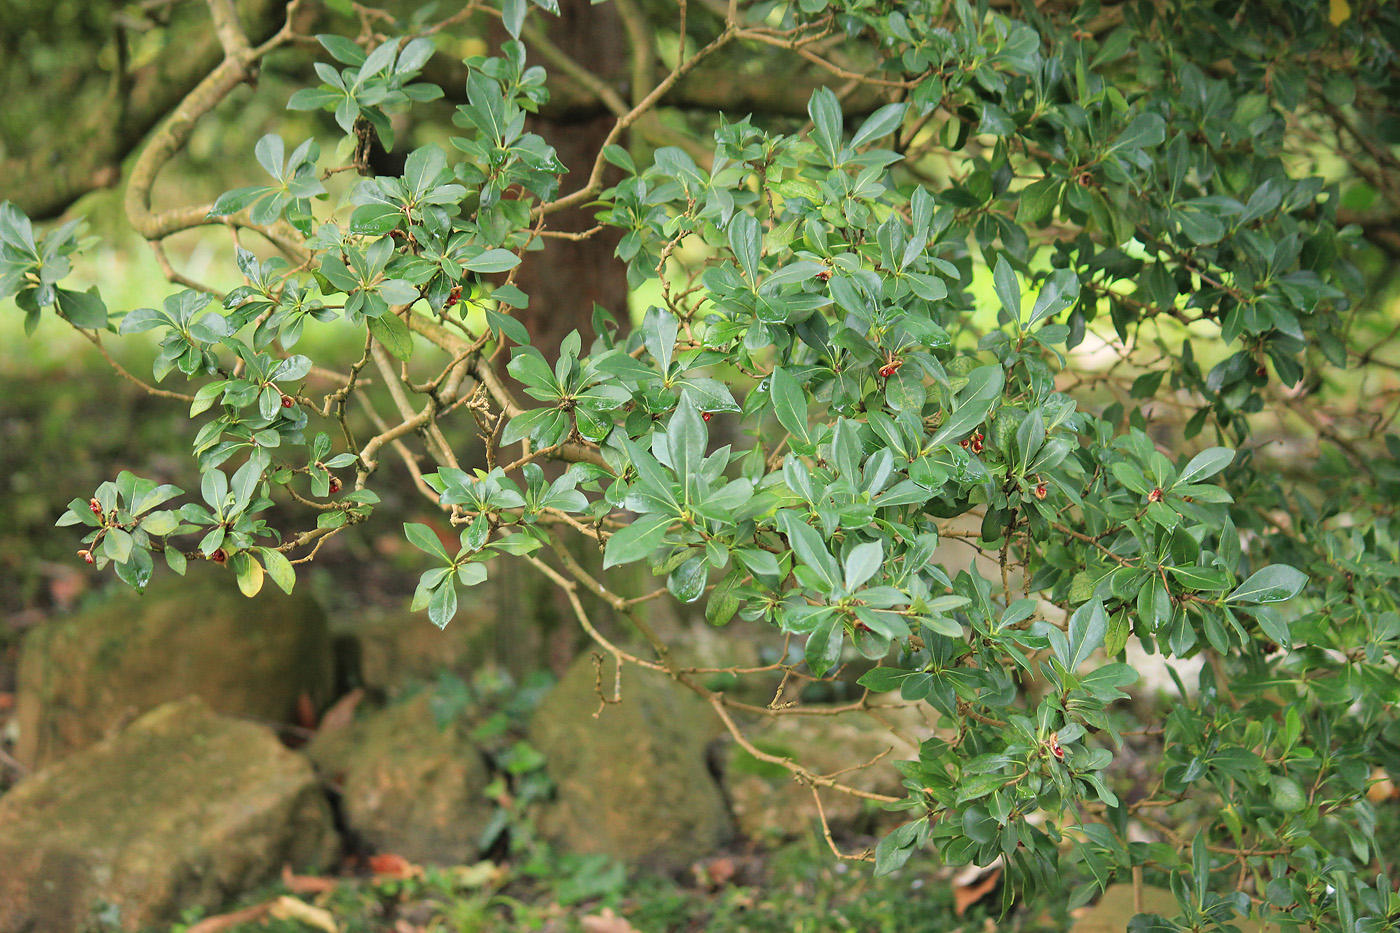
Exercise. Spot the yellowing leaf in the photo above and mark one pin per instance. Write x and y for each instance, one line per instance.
(1340, 12)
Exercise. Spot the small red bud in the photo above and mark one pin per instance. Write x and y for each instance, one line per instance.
(288, 401)
(219, 557)
(453, 297)
(1155, 495)
(95, 506)
(977, 443)
(824, 275)
(1261, 372)
(891, 367)
(964, 443)
(1042, 490)
(335, 484)
(706, 415)
(86, 555)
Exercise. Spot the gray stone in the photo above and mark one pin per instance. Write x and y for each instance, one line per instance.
(408, 785)
(83, 676)
(634, 782)
(398, 649)
(183, 808)
(769, 806)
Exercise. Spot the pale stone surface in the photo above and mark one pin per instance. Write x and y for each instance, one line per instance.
(183, 808)
(633, 783)
(84, 676)
(769, 806)
(408, 785)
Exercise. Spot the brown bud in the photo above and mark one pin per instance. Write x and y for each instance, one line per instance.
(1155, 495)
(219, 557)
(95, 506)
(86, 555)
(1041, 490)
(335, 484)
(288, 401)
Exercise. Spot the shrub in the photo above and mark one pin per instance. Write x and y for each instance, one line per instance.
(1073, 291)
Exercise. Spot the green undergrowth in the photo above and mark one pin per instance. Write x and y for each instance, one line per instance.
(800, 888)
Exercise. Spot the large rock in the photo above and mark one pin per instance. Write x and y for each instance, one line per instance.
(633, 783)
(183, 808)
(770, 806)
(401, 649)
(83, 676)
(408, 784)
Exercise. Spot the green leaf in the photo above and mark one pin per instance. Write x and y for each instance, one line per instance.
(746, 240)
(83, 309)
(393, 333)
(1272, 584)
(425, 539)
(880, 123)
(1147, 129)
(442, 606)
(1008, 288)
(825, 111)
(807, 544)
(1205, 464)
(862, 562)
(789, 404)
(636, 541)
(1088, 627)
(278, 568)
(493, 260)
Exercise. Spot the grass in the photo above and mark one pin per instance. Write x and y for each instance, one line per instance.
(800, 888)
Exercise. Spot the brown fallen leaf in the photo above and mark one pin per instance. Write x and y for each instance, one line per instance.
(306, 884)
(973, 884)
(342, 711)
(305, 713)
(607, 922)
(228, 921)
(389, 865)
(289, 908)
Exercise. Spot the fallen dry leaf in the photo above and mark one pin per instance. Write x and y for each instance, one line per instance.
(306, 884)
(389, 865)
(342, 711)
(305, 713)
(973, 884)
(227, 921)
(607, 922)
(289, 908)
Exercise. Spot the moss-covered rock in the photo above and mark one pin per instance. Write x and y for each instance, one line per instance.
(183, 808)
(769, 806)
(83, 676)
(633, 783)
(408, 784)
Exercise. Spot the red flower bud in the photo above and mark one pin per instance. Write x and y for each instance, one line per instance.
(219, 557)
(335, 484)
(288, 401)
(1155, 495)
(824, 275)
(891, 367)
(95, 506)
(86, 555)
(706, 415)
(1041, 490)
